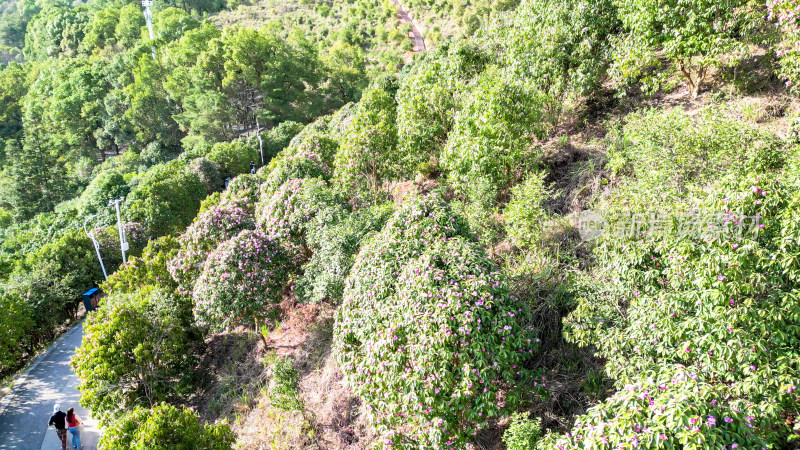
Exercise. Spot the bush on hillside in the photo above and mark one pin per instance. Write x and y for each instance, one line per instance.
(666, 155)
(202, 237)
(428, 334)
(165, 199)
(500, 120)
(308, 158)
(334, 247)
(242, 280)
(276, 139)
(561, 47)
(165, 427)
(136, 350)
(715, 292)
(786, 14)
(298, 207)
(671, 409)
(428, 99)
(242, 191)
(148, 269)
(368, 154)
(233, 158)
(525, 213)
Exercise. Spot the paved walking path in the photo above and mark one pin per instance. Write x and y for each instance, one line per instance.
(24, 412)
(419, 42)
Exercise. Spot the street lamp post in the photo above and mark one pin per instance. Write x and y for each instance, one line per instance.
(148, 17)
(123, 240)
(96, 244)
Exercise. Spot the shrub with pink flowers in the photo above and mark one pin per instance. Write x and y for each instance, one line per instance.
(209, 229)
(673, 408)
(297, 207)
(242, 280)
(308, 158)
(428, 334)
(786, 14)
(720, 299)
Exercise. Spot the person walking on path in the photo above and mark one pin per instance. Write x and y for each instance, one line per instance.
(252, 167)
(74, 422)
(59, 420)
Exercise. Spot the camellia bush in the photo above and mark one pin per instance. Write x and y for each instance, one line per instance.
(136, 350)
(786, 14)
(242, 280)
(165, 427)
(428, 334)
(298, 162)
(671, 409)
(202, 237)
(297, 208)
(714, 292)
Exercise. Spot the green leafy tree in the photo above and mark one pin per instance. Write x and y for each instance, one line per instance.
(56, 31)
(136, 351)
(165, 427)
(694, 35)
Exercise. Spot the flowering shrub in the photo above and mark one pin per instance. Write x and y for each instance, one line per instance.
(671, 409)
(296, 206)
(786, 14)
(307, 159)
(368, 153)
(722, 302)
(209, 229)
(135, 350)
(428, 334)
(243, 191)
(165, 427)
(241, 280)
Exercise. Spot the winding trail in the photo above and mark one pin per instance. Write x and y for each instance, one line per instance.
(419, 41)
(24, 412)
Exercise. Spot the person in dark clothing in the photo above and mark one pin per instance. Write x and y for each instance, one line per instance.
(252, 167)
(59, 420)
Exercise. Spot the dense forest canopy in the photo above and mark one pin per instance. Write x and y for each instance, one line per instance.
(409, 265)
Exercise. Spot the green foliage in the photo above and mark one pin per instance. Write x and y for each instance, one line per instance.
(16, 323)
(500, 120)
(525, 213)
(308, 156)
(701, 297)
(136, 350)
(694, 35)
(560, 47)
(664, 155)
(165, 199)
(165, 427)
(523, 433)
(284, 393)
(233, 157)
(241, 281)
(368, 154)
(148, 269)
(428, 99)
(428, 334)
(56, 31)
(334, 247)
(208, 172)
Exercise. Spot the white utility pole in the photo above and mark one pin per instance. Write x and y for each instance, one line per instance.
(148, 17)
(123, 240)
(260, 144)
(96, 244)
